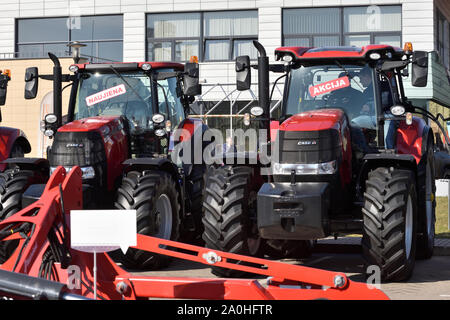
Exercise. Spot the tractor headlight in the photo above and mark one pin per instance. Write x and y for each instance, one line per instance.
(86, 172)
(304, 169)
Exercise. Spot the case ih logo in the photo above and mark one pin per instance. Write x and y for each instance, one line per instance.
(329, 86)
(74, 145)
(307, 143)
(106, 94)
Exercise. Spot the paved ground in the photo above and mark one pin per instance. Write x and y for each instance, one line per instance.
(431, 279)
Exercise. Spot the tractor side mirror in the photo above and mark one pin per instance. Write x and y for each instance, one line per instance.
(31, 82)
(243, 73)
(420, 69)
(191, 84)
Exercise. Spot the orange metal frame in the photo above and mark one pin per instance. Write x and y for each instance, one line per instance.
(285, 281)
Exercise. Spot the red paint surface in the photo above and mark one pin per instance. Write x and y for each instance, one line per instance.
(304, 52)
(274, 127)
(314, 120)
(8, 137)
(409, 138)
(114, 139)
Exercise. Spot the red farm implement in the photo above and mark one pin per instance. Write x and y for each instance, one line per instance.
(44, 253)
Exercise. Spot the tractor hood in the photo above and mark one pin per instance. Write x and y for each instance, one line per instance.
(314, 120)
(89, 124)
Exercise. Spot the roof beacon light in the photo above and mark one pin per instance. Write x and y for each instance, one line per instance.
(193, 59)
(408, 47)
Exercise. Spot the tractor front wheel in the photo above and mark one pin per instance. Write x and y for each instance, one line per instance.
(154, 196)
(230, 214)
(390, 218)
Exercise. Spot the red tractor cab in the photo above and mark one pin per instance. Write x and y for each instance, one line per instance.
(347, 157)
(118, 131)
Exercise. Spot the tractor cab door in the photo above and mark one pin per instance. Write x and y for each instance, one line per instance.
(171, 107)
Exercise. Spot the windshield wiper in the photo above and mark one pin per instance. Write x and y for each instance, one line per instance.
(348, 74)
(126, 82)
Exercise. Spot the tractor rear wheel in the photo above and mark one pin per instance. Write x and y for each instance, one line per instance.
(230, 214)
(13, 183)
(154, 196)
(390, 218)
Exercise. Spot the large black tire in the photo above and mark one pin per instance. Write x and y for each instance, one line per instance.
(230, 214)
(427, 208)
(154, 196)
(13, 183)
(192, 230)
(390, 222)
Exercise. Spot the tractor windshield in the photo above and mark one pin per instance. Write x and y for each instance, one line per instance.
(109, 94)
(346, 87)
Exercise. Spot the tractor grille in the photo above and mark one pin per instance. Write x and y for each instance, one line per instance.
(84, 149)
(304, 147)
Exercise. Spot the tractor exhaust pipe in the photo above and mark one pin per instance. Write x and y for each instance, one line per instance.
(57, 89)
(263, 83)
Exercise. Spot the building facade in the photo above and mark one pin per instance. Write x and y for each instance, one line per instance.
(217, 31)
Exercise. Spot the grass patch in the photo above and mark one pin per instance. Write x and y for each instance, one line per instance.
(442, 230)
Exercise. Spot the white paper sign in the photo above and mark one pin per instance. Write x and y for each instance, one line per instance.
(106, 94)
(103, 230)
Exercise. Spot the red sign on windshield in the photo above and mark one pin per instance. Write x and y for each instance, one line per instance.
(329, 86)
(106, 94)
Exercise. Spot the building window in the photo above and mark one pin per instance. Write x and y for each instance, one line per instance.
(212, 36)
(443, 39)
(349, 26)
(229, 34)
(173, 37)
(103, 36)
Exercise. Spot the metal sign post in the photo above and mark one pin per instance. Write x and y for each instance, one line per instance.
(98, 231)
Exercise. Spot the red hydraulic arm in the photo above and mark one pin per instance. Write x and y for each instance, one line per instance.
(42, 228)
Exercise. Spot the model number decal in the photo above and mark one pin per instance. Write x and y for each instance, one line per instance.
(329, 86)
(106, 94)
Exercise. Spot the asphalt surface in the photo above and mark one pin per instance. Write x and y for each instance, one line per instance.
(430, 281)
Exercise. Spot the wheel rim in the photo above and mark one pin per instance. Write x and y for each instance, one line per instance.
(408, 227)
(429, 205)
(163, 217)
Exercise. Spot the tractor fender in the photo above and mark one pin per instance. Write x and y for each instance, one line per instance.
(9, 137)
(372, 161)
(35, 164)
(188, 135)
(412, 139)
(162, 164)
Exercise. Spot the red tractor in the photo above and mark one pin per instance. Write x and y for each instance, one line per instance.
(118, 131)
(347, 157)
(14, 142)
